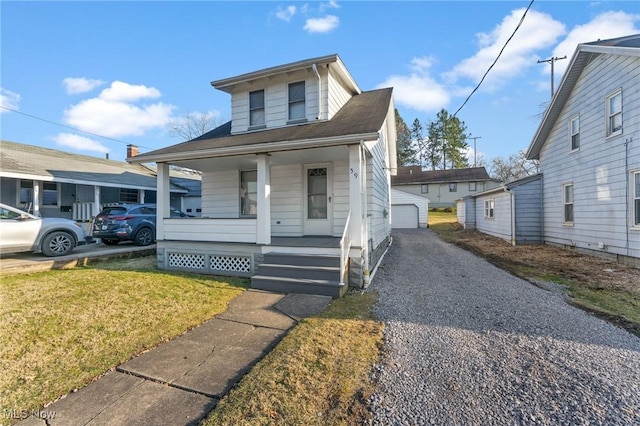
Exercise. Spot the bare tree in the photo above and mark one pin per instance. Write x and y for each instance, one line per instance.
(194, 124)
(515, 167)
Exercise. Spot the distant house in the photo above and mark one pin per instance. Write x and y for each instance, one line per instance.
(512, 211)
(588, 144)
(443, 187)
(295, 188)
(53, 183)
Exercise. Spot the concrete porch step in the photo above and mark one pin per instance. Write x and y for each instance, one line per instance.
(301, 259)
(329, 273)
(297, 285)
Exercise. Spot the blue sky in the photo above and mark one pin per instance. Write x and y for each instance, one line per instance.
(124, 70)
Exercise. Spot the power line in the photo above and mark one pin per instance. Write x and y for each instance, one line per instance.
(496, 60)
(69, 127)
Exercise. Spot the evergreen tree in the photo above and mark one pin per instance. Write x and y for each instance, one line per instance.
(417, 137)
(449, 139)
(406, 152)
(433, 147)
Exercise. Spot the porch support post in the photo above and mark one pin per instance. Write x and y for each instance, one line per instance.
(163, 199)
(355, 201)
(263, 216)
(37, 186)
(96, 201)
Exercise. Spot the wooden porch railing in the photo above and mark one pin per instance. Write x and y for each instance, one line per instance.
(345, 247)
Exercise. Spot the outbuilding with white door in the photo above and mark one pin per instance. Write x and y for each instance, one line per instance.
(408, 210)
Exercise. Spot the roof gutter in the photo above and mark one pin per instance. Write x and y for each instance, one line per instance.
(255, 148)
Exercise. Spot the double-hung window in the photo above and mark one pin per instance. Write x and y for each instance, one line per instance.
(489, 209)
(297, 106)
(574, 131)
(453, 187)
(424, 188)
(567, 200)
(256, 108)
(636, 199)
(473, 186)
(614, 113)
(248, 193)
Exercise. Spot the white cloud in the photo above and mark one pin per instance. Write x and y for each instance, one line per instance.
(75, 86)
(322, 25)
(286, 14)
(80, 143)
(8, 99)
(537, 32)
(604, 26)
(114, 113)
(332, 4)
(418, 90)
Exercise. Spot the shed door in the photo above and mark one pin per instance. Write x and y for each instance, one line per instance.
(404, 216)
(317, 205)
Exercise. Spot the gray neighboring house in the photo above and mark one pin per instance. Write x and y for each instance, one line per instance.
(512, 211)
(442, 187)
(53, 183)
(588, 144)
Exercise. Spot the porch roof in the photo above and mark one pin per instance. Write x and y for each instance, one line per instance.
(360, 118)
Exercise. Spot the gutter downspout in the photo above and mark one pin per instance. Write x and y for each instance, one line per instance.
(365, 221)
(513, 216)
(315, 69)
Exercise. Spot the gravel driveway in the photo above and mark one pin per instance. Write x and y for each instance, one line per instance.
(468, 344)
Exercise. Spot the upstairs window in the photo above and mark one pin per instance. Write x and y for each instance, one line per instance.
(473, 186)
(574, 131)
(614, 113)
(424, 188)
(568, 203)
(636, 199)
(489, 209)
(453, 187)
(297, 108)
(256, 108)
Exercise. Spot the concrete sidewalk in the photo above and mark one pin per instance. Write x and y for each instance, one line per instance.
(180, 382)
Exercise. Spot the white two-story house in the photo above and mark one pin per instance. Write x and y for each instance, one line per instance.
(588, 144)
(295, 188)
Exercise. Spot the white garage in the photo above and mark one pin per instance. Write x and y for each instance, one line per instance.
(408, 210)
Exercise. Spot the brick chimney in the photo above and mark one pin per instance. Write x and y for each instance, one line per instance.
(132, 150)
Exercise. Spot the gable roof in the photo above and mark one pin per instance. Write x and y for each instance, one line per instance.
(584, 54)
(415, 174)
(21, 161)
(360, 118)
(333, 61)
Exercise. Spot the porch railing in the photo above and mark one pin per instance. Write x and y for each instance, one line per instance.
(345, 247)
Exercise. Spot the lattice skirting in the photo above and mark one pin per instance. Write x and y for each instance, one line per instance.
(210, 262)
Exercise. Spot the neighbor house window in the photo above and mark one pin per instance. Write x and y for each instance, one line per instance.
(297, 109)
(424, 188)
(453, 187)
(636, 198)
(26, 192)
(568, 203)
(248, 193)
(489, 209)
(473, 186)
(256, 108)
(614, 113)
(574, 130)
(128, 195)
(49, 194)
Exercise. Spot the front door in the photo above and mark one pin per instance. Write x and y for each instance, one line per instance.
(317, 203)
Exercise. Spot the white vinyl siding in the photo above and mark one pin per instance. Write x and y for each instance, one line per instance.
(601, 192)
(337, 95)
(340, 200)
(220, 195)
(635, 199)
(286, 200)
(498, 225)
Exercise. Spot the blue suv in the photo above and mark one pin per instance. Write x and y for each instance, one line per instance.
(128, 222)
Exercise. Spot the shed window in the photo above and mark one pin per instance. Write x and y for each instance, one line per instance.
(453, 187)
(568, 203)
(636, 198)
(489, 209)
(614, 113)
(248, 193)
(473, 186)
(49, 194)
(128, 195)
(256, 108)
(574, 131)
(424, 188)
(297, 108)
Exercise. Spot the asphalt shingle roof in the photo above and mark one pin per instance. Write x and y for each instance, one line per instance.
(415, 174)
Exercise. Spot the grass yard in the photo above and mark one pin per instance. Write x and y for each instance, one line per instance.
(62, 329)
(608, 289)
(319, 374)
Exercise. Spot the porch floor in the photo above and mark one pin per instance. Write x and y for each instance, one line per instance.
(321, 242)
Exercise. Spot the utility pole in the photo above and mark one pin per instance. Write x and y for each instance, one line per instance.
(552, 61)
(475, 154)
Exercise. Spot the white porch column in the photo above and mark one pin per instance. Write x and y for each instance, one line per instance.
(163, 199)
(141, 195)
(96, 201)
(37, 185)
(263, 216)
(355, 191)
